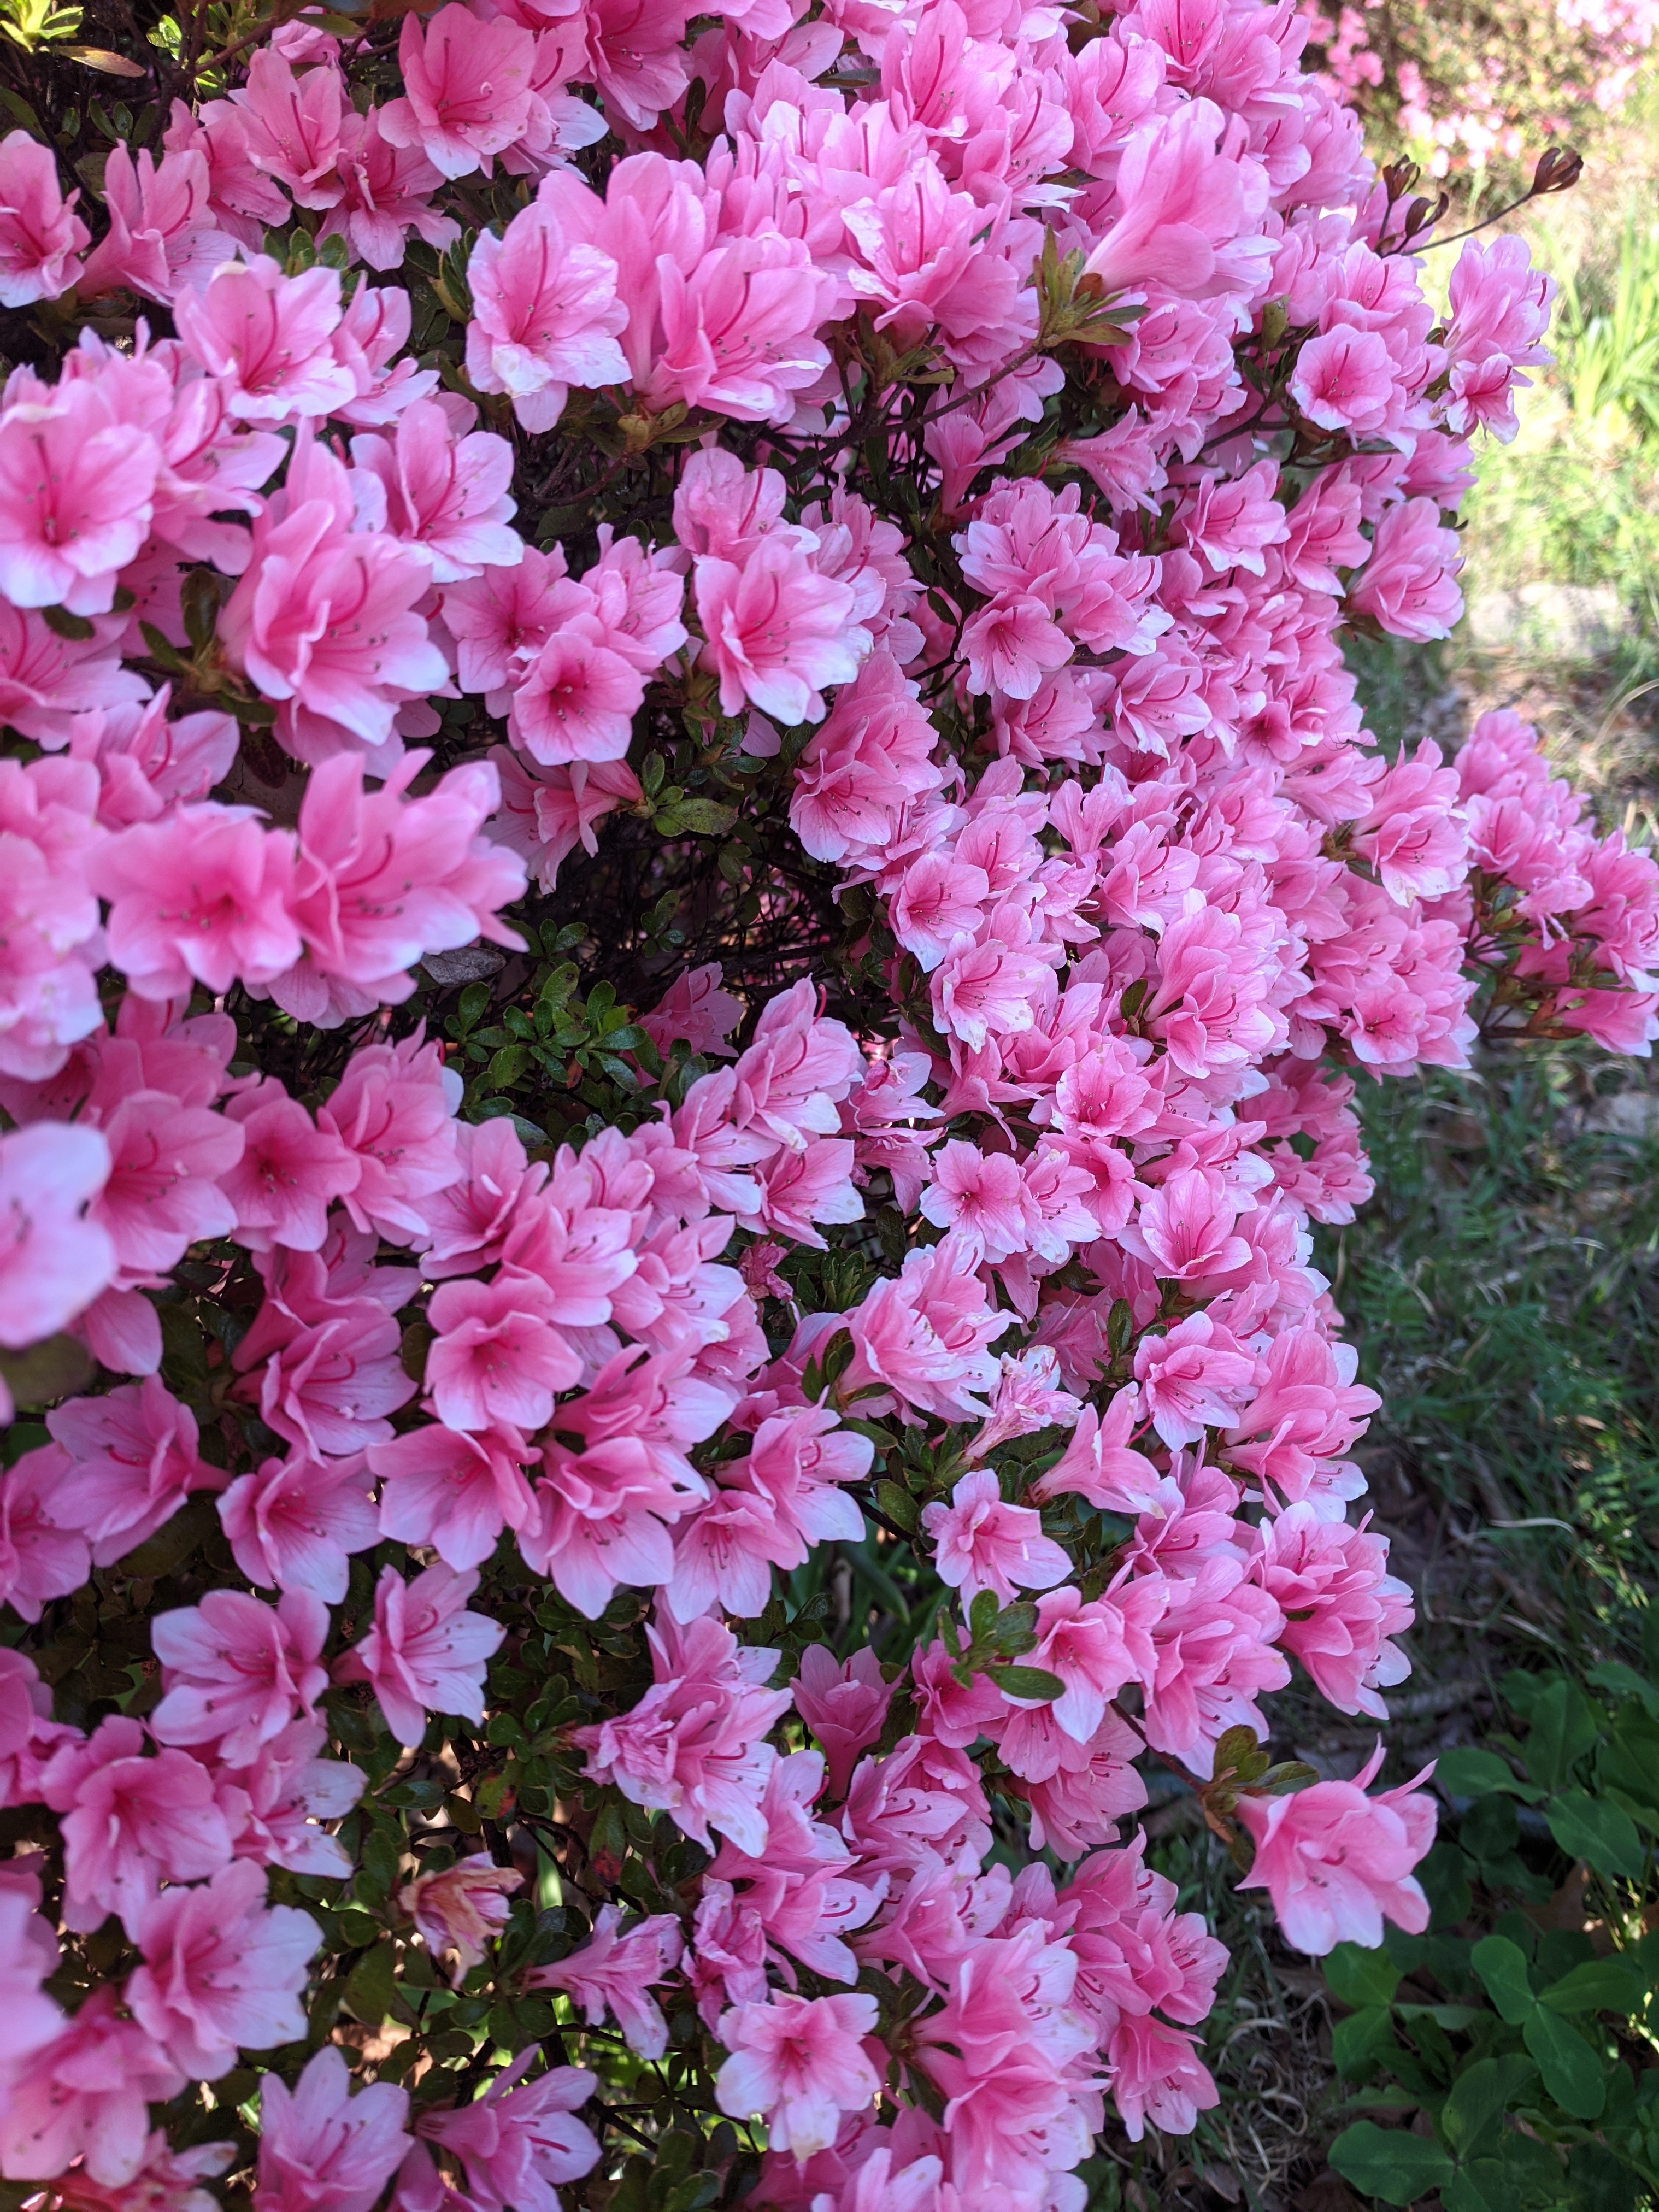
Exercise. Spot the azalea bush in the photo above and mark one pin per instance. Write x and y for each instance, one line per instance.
(1470, 89)
(693, 896)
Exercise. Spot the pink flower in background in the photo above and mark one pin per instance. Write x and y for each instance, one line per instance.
(613, 1971)
(461, 1910)
(321, 2148)
(1337, 1863)
(800, 2061)
(221, 1970)
(292, 1522)
(78, 488)
(426, 1652)
(53, 1261)
(981, 1542)
(29, 2019)
(454, 1490)
(236, 1672)
(130, 1823)
(164, 235)
(845, 1706)
(467, 89)
(87, 2094)
(519, 2141)
(41, 237)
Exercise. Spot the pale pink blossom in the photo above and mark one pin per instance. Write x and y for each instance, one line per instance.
(461, 1910)
(425, 1653)
(221, 1972)
(267, 340)
(982, 1543)
(453, 1490)
(236, 1672)
(519, 2139)
(77, 491)
(323, 2149)
(778, 631)
(39, 1561)
(164, 236)
(800, 2061)
(1337, 1862)
(545, 316)
(41, 237)
(613, 1972)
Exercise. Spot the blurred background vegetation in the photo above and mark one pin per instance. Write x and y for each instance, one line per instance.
(1503, 1286)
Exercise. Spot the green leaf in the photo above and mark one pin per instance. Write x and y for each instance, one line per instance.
(1598, 1986)
(1034, 1683)
(1357, 1977)
(1472, 2118)
(1623, 1681)
(1592, 1828)
(1502, 1966)
(1362, 2038)
(706, 816)
(1573, 2072)
(1469, 1772)
(371, 1987)
(55, 1368)
(1564, 1727)
(507, 1066)
(1388, 2163)
(899, 1507)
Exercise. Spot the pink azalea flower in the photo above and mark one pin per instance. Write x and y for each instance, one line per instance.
(78, 488)
(602, 1520)
(461, 1910)
(40, 235)
(163, 235)
(200, 896)
(53, 1261)
(447, 493)
(1157, 2075)
(980, 1542)
(693, 1746)
(1337, 1863)
(467, 89)
(130, 1823)
(453, 1491)
(497, 1360)
(545, 316)
(1409, 586)
(845, 1706)
(319, 2146)
(39, 1561)
(612, 1973)
(517, 2143)
(426, 1652)
(924, 1333)
(222, 1971)
(394, 1108)
(276, 1802)
(28, 1953)
(87, 2095)
(800, 2062)
(1097, 1464)
(778, 631)
(234, 1672)
(28, 1734)
(290, 1173)
(163, 1193)
(293, 1523)
(266, 337)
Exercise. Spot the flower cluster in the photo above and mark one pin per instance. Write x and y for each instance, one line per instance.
(691, 904)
